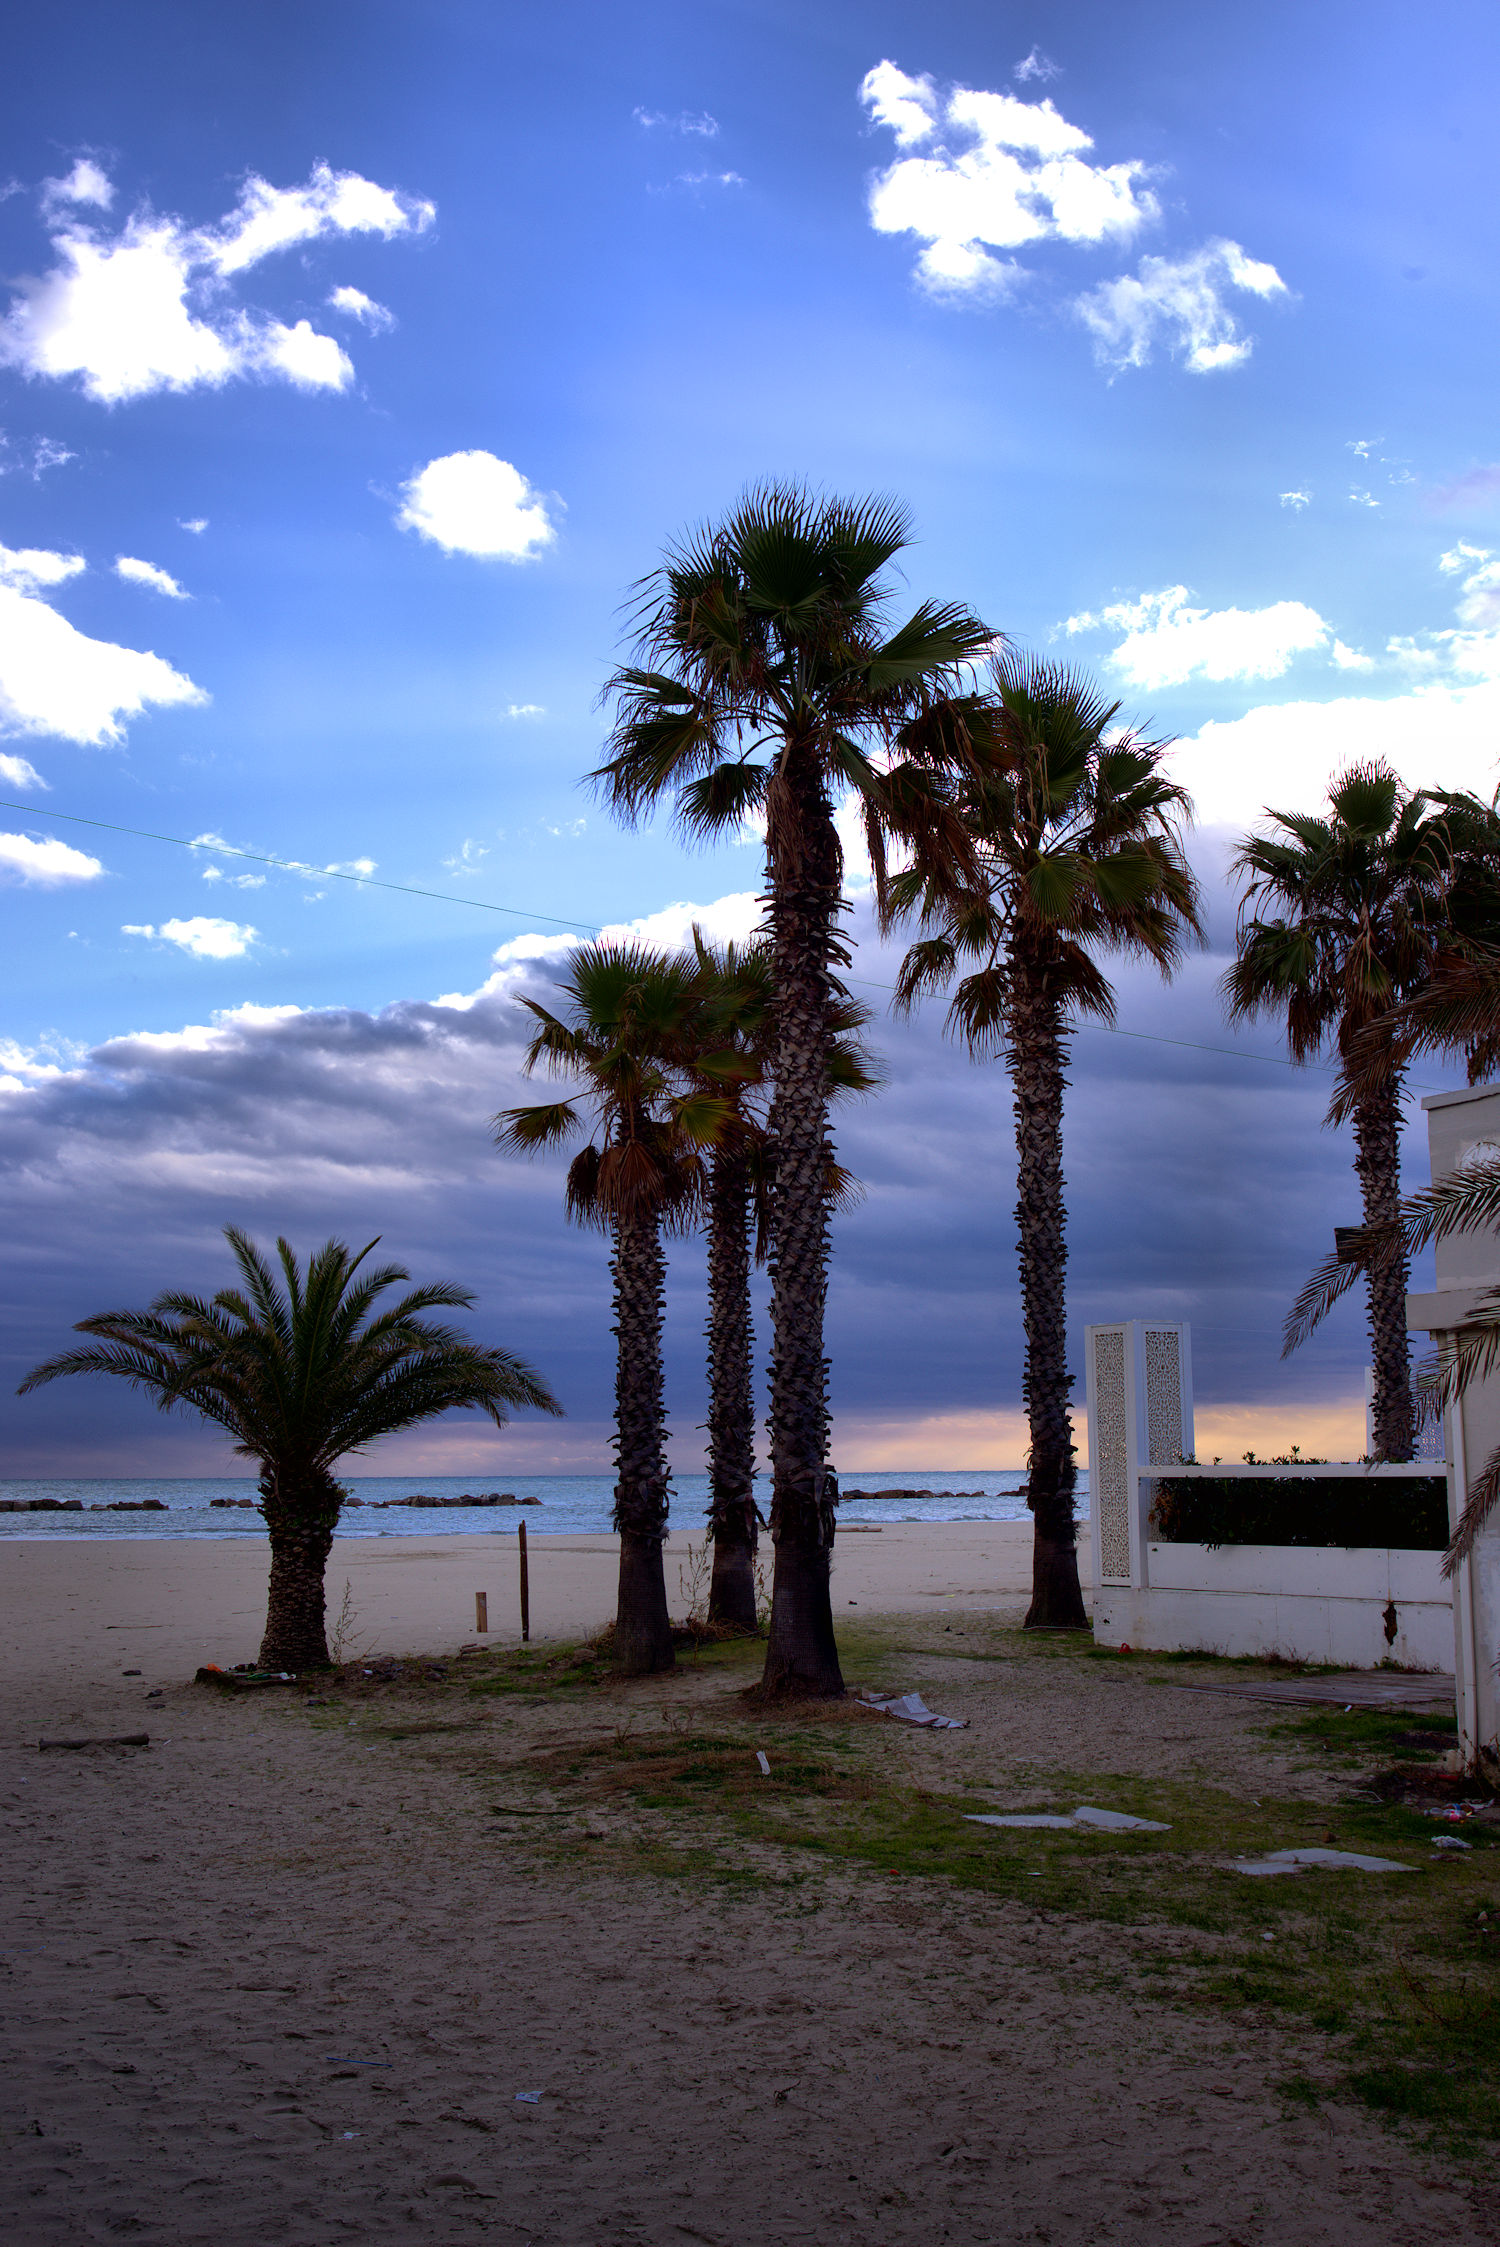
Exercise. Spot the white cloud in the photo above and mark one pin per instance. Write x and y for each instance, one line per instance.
(363, 308)
(696, 122)
(473, 503)
(235, 881)
(20, 772)
(728, 920)
(197, 524)
(54, 678)
(1037, 65)
(202, 937)
(1471, 649)
(525, 710)
(1296, 501)
(1178, 303)
(1350, 659)
(137, 572)
(1283, 755)
(999, 172)
(44, 453)
(1359, 498)
(46, 862)
(30, 566)
(144, 309)
(1167, 642)
(86, 183)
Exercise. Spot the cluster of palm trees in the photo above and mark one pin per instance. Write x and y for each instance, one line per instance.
(1020, 834)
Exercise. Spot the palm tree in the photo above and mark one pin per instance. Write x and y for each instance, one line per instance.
(1339, 923)
(1076, 829)
(623, 1037)
(734, 1058)
(766, 682)
(300, 1373)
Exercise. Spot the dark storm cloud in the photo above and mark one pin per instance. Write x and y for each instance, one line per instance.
(1201, 1185)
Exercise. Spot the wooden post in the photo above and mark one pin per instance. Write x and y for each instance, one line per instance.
(525, 1583)
(481, 1613)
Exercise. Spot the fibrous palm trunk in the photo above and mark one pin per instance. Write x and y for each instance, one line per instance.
(301, 1511)
(1036, 1060)
(643, 1631)
(801, 1656)
(731, 1395)
(1377, 1139)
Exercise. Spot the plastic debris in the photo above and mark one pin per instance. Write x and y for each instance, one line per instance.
(340, 2059)
(912, 1709)
(1105, 1821)
(1449, 1841)
(760, 1757)
(1293, 1860)
(528, 2098)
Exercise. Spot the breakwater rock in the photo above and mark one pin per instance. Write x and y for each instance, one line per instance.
(870, 1494)
(41, 1505)
(485, 1498)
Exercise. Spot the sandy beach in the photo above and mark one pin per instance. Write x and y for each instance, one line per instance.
(539, 1957)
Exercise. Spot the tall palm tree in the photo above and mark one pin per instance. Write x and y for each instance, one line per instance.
(1339, 923)
(623, 1036)
(767, 682)
(1077, 830)
(299, 1373)
(734, 1058)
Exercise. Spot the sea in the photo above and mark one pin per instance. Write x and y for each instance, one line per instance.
(568, 1505)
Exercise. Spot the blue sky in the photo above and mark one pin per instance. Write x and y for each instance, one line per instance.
(355, 360)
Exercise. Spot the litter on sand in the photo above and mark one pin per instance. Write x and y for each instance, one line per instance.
(528, 2098)
(1105, 1821)
(1293, 1860)
(765, 1768)
(1448, 1841)
(912, 1709)
(337, 2059)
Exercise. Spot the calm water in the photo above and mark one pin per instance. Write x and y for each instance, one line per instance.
(570, 1505)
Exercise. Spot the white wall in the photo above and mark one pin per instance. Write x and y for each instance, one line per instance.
(1310, 1603)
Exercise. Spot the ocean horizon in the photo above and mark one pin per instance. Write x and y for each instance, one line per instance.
(567, 1505)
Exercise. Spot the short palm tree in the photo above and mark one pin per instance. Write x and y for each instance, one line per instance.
(736, 1043)
(622, 1036)
(766, 682)
(1076, 830)
(301, 1371)
(1339, 924)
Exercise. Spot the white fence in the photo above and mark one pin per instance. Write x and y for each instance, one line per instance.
(1312, 1603)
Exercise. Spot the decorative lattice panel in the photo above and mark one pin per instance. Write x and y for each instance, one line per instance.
(1163, 1396)
(1108, 1483)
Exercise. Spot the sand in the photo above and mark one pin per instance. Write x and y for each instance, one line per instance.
(67, 1609)
(201, 1939)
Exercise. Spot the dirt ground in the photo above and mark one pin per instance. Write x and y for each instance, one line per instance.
(285, 1975)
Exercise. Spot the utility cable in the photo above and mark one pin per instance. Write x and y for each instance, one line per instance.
(591, 928)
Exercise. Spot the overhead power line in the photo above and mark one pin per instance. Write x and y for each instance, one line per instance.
(586, 928)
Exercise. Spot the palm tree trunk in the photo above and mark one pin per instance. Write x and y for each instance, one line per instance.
(643, 1630)
(806, 870)
(1377, 1139)
(731, 1395)
(300, 1514)
(1036, 1060)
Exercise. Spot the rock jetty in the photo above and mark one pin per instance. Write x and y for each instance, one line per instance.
(485, 1498)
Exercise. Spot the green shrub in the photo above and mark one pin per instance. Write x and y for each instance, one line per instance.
(1410, 1512)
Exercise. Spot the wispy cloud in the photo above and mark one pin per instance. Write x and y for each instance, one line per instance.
(1037, 66)
(1296, 501)
(357, 306)
(144, 308)
(696, 123)
(474, 503)
(1179, 305)
(137, 572)
(20, 772)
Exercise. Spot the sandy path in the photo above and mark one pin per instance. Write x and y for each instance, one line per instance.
(85, 1611)
(198, 1937)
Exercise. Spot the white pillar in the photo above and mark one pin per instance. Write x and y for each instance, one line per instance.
(1459, 1123)
(1140, 1415)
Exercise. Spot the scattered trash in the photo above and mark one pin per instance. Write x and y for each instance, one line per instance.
(1452, 1813)
(1449, 1841)
(1106, 1821)
(1268, 1937)
(130, 1673)
(340, 2059)
(912, 1709)
(1293, 1860)
(108, 1740)
(1348, 1705)
(528, 2098)
(241, 1679)
(760, 1757)
(351, 2133)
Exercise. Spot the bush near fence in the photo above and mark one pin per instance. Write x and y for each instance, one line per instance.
(1409, 1514)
